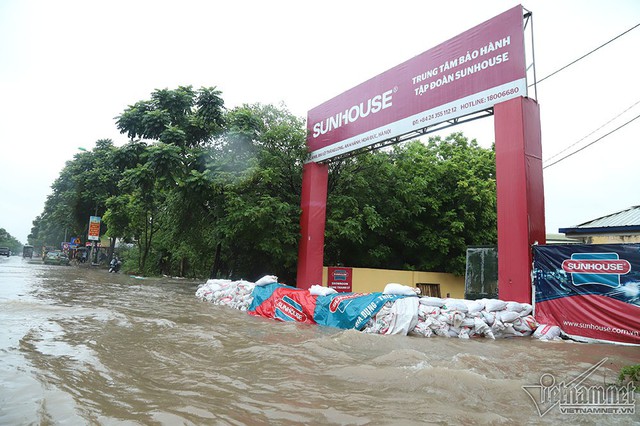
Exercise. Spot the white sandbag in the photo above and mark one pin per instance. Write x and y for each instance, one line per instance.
(508, 316)
(497, 327)
(453, 318)
(547, 332)
(421, 329)
(427, 311)
(318, 290)
(381, 322)
(522, 328)
(514, 307)
(267, 279)
(509, 331)
(527, 309)
(464, 333)
(455, 305)
(435, 324)
(244, 286)
(526, 324)
(441, 330)
(216, 282)
(492, 305)
(474, 306)
(235, 294)
(488, 317)
(404, 316)
(480, 327)
(399, 289)
(469, 322)
(432, 301)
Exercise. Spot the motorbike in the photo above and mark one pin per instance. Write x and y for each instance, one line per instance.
(114, 266)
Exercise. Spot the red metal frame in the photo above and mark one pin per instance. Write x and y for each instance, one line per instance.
(520, 193)
(315, 178)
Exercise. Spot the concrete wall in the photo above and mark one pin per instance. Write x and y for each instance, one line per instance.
(612, 239)
(367, 280)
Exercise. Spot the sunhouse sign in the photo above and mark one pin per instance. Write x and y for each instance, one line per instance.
(464, 75)
(592, 291)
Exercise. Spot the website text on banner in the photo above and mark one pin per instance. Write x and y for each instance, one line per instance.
(466, 74)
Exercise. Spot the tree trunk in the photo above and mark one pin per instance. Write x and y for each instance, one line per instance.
(216, 262)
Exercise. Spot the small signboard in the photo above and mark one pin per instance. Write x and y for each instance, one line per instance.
(74, 242)
(340, 279)
(94, 228)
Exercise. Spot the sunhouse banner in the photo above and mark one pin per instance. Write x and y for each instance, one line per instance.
(341, 310)
(592, 292)
(466, 74)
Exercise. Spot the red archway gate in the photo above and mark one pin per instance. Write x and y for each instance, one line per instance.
(480, 72)
(520, 193)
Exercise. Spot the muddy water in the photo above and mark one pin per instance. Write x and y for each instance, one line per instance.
(81, 346)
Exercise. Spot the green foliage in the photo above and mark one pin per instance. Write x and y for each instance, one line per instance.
(416, 207)
(203, 191)
(182, 117)
(81, 191)
(7, 240)
(630, 373)
(260, 218)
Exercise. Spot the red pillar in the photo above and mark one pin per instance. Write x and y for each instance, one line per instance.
(520, 193)
(312, 221)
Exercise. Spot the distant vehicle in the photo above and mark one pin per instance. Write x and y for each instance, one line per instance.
(56, 257)
(82, 254)
(27, 251)
(115, 264)
(4, 251)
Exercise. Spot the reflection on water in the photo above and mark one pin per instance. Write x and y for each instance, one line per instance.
(81, 346)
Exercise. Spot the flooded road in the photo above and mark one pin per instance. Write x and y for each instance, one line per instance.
(81, 346)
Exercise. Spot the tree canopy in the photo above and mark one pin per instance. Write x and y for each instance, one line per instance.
(199, 190)
(415, 207)
(8, 240)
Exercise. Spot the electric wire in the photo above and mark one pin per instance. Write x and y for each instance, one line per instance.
(585, 55)
(576, 143)
(602, 137)
(588, 145)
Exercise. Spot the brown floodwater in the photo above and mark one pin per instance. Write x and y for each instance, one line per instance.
(82, 346)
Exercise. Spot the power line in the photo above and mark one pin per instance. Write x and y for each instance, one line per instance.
(585, 55)
(576, 143)
(588, 145)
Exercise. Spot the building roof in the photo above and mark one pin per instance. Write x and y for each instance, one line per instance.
(623, 221)
(561, 239)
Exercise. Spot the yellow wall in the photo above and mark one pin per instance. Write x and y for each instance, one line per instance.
(613, 239)
(366, 280)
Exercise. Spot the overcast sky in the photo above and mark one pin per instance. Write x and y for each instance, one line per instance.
(67, 68)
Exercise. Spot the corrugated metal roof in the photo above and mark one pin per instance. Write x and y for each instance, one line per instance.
(628, 217)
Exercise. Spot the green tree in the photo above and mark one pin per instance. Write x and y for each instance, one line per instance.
(262, 162)
(158, 177)
(183, 117)
(204, 191)
(416, 207)
(8, 240)
(80, 191)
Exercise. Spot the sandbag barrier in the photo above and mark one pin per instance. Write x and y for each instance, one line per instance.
(397, 310)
